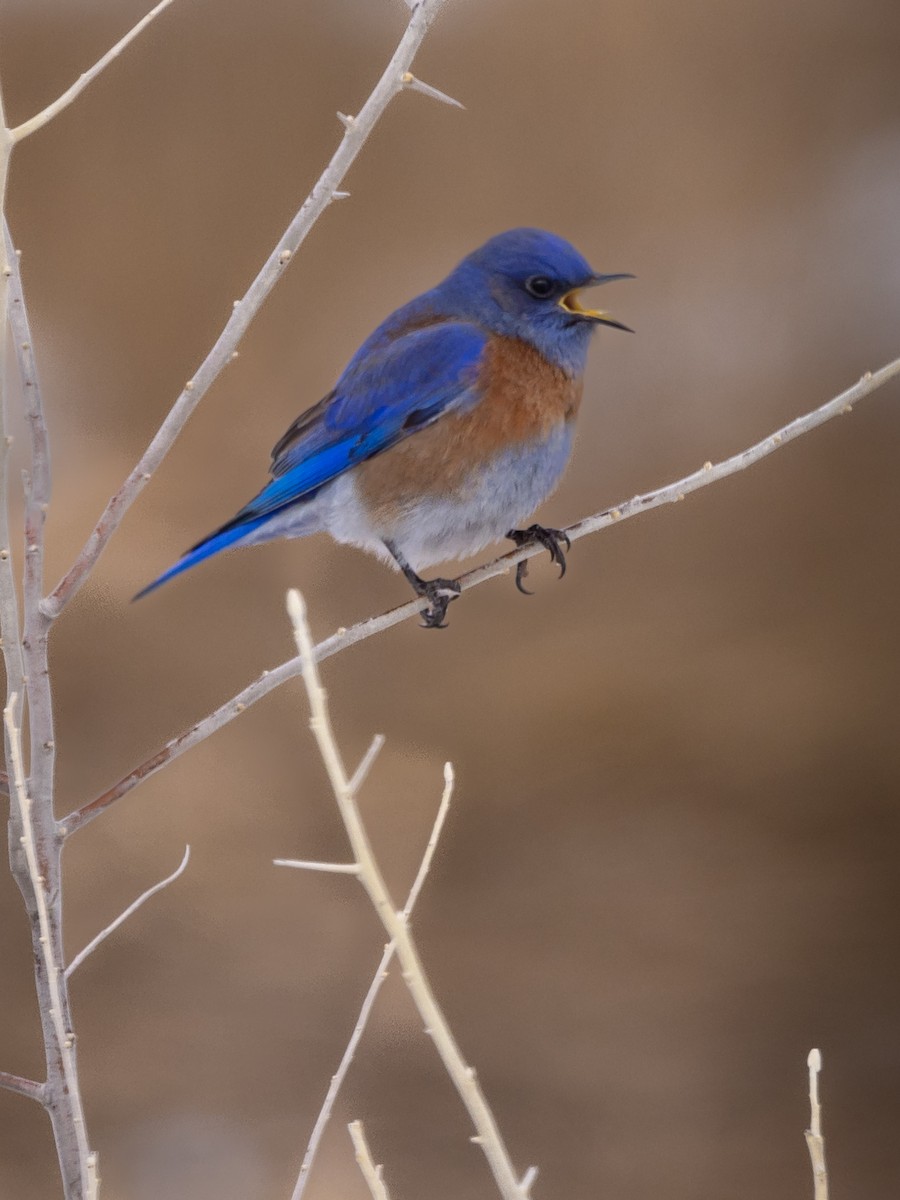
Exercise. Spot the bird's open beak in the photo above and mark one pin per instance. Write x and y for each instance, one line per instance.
(571, 303)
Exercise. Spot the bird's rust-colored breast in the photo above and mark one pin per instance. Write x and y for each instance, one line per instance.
(524, 398)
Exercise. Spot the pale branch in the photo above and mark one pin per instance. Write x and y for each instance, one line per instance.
(814, 1140)
(34, 844)
(356, 131)
(53, 1004)
(527, 1181)
(310, 864)
(123, 916)
(370, 1173)
(10, 634)
(39, 120)
(23, 1087)
(269, 680)
(42, 756)
(365, 765)
(396, 923)
(378, 979)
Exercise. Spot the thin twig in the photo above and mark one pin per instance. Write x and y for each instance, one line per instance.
(268, 681)
(308, 864)
(365, 764)
(814, 1140)
(463, 1077)
(55, 983)
(356, 132)
(24, 1087)
(39, 120)
(123, 916)
(368, 1003)
(370, 1173)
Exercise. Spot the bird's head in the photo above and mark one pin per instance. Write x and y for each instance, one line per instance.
(527, 283)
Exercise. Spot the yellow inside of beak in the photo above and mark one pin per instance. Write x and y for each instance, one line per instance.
(571, 303)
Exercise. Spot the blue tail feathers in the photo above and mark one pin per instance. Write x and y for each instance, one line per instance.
(220, 540)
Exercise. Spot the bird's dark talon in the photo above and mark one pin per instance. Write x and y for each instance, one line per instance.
(551, 539)
(521, 572)
(439, 593)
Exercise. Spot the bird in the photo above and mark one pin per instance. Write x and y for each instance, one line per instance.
(449, 426)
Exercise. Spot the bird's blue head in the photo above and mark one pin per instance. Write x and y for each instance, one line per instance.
(525, 283)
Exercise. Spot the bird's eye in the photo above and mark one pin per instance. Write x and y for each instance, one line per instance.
(540, 287)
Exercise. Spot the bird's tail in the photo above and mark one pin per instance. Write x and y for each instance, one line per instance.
(229, 535)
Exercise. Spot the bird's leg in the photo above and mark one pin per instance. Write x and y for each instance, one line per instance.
(551, 539)
(438, 592)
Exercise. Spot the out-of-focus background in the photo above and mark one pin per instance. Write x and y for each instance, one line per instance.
(672, 862)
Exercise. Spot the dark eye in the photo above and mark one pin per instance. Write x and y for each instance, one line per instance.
(540, 286)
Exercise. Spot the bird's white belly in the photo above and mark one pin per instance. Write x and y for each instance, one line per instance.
(495, 499)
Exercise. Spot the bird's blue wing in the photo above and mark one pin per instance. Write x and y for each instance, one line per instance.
(385, 395)
(394, 391)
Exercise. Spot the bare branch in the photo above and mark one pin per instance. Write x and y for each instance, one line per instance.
(365, 766)
(527, 1182)
(292, 667)
(370, 1173)
(307, 864)
(357, 131)
(814, 1139)
(24, 1087)
(56, 1005)
(123, 916)
(37, 498)
(436, 830)
(39, 120)
(368, 1003)
(396, 924)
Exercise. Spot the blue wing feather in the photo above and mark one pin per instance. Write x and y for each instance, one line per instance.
(392, 393)
(385, 395)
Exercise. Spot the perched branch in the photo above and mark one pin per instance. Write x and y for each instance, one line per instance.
(814, 1139)
(53, 1004)
(378, 979)
(269, 680)
(24, 1087)
(463, 1077)
(123, 916)
(356, 131)
(39, 120)
(370, 1173)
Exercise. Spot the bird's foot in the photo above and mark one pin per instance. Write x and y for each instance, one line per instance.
(439, 593)
(551, 539)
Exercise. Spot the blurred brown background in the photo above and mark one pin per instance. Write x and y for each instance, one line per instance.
(672, 863)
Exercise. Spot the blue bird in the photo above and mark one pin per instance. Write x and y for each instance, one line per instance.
(449, 426)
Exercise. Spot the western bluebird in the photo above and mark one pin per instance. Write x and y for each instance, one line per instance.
(449, 425)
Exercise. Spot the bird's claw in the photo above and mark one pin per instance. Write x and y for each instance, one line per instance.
(439, 593)
(551, 539)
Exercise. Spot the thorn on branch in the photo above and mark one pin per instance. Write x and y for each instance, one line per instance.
(410, 82)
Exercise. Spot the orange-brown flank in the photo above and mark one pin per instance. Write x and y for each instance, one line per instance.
(525, 399)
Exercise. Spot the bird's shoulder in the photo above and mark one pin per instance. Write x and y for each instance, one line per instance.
(404, 376)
